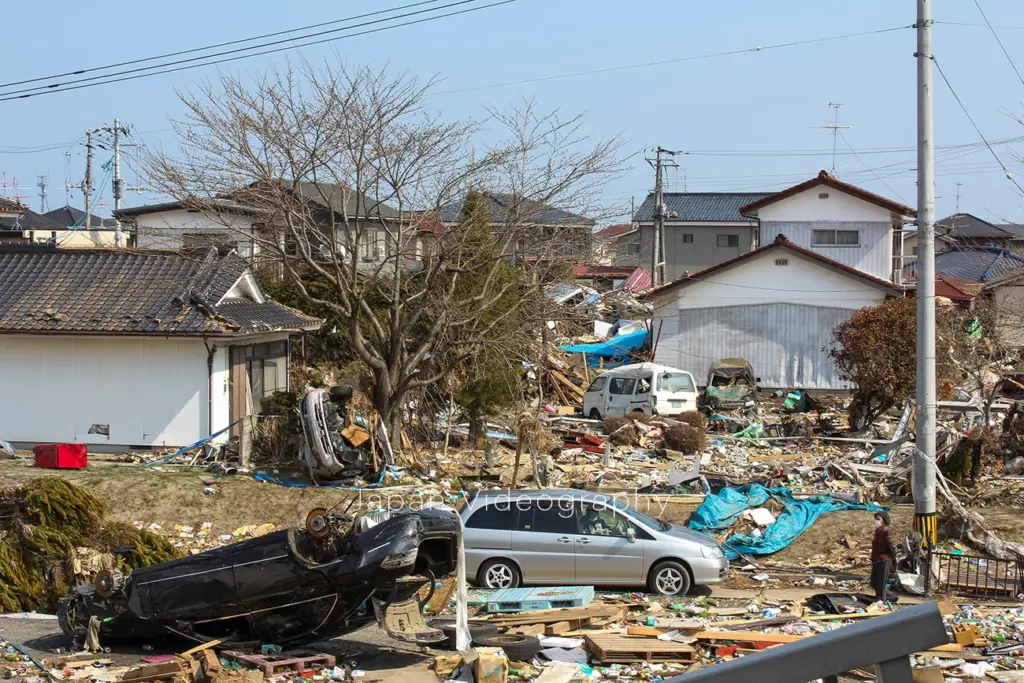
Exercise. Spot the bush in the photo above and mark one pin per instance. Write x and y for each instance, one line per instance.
(685, 438)
(694, 418)
(620, 431)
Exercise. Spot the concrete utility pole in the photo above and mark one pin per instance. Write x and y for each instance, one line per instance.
(924, 457)
(118, 183)
(658, 237)
(41, 183)
(87, 183)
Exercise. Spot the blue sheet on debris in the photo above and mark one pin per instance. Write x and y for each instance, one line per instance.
(616, 347)
(721, 510)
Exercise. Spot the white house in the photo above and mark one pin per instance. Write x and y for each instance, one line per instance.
(776, 306)
(135, 349)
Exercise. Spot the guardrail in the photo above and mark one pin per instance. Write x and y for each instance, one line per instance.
(973, 575)
(884, 642)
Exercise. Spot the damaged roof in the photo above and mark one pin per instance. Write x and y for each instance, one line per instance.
(133, 292)
(974, 265)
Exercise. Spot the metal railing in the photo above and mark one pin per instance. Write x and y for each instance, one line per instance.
(973, 575)
(884, 642)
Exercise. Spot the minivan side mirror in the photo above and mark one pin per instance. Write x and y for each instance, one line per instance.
(631, 534)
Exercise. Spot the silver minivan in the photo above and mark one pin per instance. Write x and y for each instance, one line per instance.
(579, 537)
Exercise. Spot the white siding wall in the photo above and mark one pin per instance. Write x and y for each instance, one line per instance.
(152, 392)
(807, 206)
(164, 229)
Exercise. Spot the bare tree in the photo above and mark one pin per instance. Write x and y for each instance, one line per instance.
(353, 179)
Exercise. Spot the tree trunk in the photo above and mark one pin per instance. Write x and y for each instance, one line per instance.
(519, 457)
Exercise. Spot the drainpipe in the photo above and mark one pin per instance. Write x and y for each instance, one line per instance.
(210, 351)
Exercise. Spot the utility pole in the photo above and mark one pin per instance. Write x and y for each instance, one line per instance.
(87, 183)
(658, 236)
(924, 454)
(118, 183)
(958, 197)
(41, 183)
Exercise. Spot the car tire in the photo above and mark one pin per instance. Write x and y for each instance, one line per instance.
(595, 414)
(669, 578)
(447, 626)
(517, 648)
(499, 573)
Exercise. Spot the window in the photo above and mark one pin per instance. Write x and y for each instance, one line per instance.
(687, 238)
(600, 520)
(728, 240)
(553, 520)
(204, 240)
(914, 251)
(498, 516)
(267, 365)
(835, 238)
(598, 384)
(644, 385)
(675, 381)
(633, 249)
(622, 386)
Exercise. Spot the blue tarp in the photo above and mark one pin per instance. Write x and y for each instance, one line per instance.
(616, 347)
(721, 510)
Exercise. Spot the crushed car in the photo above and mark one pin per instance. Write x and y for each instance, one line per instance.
(331, 577)
(325, 423)
(731, 386)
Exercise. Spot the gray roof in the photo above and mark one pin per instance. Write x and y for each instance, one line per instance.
(121, 291)
(974, 265)
(342, 199)
(499, 207)
(30, 220)
(1016, 229)
(967, 226)
(703, 207)
(70, 216)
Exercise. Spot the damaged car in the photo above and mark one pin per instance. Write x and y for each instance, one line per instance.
(331, 577)
(731, 385)
(333, 446)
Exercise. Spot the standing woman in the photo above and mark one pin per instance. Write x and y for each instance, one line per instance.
(882, 554)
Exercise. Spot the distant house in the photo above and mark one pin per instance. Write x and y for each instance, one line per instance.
(11, 208)
(71, 217)
(963, 230)
(26, 226)
(971, 265)
(135, 349)
(775, 306)
(824, 214)
(618, 245)
(545, 232)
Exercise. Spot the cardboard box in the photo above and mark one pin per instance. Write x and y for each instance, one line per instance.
(931, 674)
(491, 665)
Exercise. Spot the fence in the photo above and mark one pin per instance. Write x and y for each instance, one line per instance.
(974, 575)
(885, 642)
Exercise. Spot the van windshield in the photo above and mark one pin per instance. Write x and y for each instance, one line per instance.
(675, 381)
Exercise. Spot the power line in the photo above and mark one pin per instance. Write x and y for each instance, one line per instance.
(976, 129)
(887, 185)
(95, 83)
(996, 36)
(676, 60)
(79, 72)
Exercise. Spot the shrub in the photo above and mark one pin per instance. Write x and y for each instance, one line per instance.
(620, 431)
(685, 438)
(694, 418)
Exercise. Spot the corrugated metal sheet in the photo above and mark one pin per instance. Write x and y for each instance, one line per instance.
(873, 256)
(702, 206)
(787, 344)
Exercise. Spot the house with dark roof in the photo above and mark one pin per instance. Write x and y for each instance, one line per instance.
(72, 217)
(972, 265)
(775, 306)
(824, 214)
(966, 231)
(135, 348)
(10, 208)
(544, 232)
(617, 246)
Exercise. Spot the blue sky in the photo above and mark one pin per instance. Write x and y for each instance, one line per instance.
(765, 105)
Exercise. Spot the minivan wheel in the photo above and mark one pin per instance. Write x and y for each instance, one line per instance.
(499, 574)
(669, 578)
(595, 414)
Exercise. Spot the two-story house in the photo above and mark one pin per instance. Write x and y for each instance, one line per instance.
(824, 214)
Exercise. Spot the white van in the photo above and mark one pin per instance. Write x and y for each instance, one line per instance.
(648, 387)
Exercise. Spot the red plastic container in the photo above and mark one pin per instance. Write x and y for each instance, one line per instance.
(61, 456)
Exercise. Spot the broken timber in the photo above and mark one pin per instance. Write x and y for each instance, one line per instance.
(576, 616)
(610, 648)
(298, 661)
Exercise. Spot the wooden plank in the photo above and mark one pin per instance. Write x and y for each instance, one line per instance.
(648, 631)
(557, 628)
(562, 379)
(200, 648)
(779, 457)
(611, 648)
(85, 662)
(747, 636)
(529, 630)
(550, 616)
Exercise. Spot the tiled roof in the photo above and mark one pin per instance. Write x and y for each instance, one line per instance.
(30, 220)
(500, 206)
(107, 291)
(780, 243)
(964, 225)
(1015, 229)
(824, 178)
(613, 231)
(956, 289)
(703, 207)
(973, 265)
(70, 216)
(7, 204)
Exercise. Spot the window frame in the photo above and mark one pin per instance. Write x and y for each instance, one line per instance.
(633, 249)
(687, 238)
(603, 379)
(503, 507)
(816, 233)
(729, 239)
(632, 386)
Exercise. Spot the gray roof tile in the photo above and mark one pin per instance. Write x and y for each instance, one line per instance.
(965, 225)
(974, 265)
(710, 207)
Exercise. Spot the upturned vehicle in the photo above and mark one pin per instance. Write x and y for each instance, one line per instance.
(331, 577)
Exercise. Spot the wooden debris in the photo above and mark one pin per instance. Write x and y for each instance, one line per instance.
(153, 672)
(557, 628)
(610, 648)
(649, 631)
(577, 616)
(200, 648)
(747, 636)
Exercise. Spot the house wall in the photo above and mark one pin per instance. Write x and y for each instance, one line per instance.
(616, 251)
(683, 258)
(1009, 301)
(778, 317)
(152, 392)
(78, 239)
(166, 229)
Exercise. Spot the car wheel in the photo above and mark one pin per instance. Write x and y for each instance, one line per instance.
(499, 574)
(517, 648)
(669, 578)
(477, 629)
(595, 414)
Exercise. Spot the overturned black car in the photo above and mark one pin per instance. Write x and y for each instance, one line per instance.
(334, 576)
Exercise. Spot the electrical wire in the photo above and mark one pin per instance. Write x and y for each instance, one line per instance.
(996, 36)
(875, 174)
(48, 90)
(975, 125)
(79, 72)
(676, 60)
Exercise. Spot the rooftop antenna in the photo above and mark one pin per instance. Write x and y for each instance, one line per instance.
(958, 185)
(41, 183)
(835, 128)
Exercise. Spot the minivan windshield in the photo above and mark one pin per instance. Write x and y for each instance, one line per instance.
(640, 517)
(675, 381)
